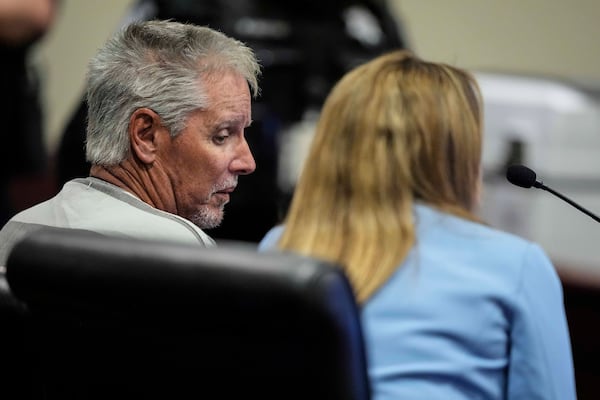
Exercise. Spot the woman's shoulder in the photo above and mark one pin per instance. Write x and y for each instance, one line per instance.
(477, 236)
(269, 241)
(479, 250)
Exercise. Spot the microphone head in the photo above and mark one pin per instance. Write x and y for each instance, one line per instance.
(521, 176)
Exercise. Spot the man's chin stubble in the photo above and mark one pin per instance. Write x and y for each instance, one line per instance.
(208, 219)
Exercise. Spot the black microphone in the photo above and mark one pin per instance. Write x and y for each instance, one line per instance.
(525, 177)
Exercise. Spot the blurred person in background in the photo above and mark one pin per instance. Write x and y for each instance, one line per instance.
(22, 154)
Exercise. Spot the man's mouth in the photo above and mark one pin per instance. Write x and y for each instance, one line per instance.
(227, 190)
(223, 194)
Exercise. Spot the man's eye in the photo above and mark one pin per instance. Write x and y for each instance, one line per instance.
(220, 139)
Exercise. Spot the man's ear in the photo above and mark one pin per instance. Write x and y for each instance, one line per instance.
(144, 127)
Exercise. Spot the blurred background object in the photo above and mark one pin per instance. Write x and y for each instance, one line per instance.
(552, 125)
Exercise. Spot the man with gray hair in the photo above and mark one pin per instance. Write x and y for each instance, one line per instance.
(167, 107)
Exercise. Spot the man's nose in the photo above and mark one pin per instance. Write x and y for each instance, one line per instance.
(244, 163)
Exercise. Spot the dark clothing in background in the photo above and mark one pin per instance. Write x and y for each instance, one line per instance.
(22, 151)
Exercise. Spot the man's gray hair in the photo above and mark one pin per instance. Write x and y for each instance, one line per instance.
(155, 64)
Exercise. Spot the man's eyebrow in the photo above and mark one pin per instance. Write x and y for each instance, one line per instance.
(235, 122)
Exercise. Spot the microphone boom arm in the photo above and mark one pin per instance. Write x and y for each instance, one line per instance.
(571, 202)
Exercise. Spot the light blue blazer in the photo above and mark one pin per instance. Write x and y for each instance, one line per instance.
(472, 313)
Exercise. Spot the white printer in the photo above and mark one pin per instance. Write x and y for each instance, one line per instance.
(553, 127)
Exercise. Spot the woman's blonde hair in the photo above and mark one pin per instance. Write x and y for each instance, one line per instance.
(392, 131)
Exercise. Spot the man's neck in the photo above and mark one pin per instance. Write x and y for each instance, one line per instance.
(142, 181)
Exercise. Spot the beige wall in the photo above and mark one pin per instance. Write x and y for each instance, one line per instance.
(80, 28)
(538, 36)
(556, 37)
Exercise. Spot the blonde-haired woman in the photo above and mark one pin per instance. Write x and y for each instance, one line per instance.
(451, 309)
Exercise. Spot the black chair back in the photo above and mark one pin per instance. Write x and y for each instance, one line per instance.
(118, 318)
(15, 354)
